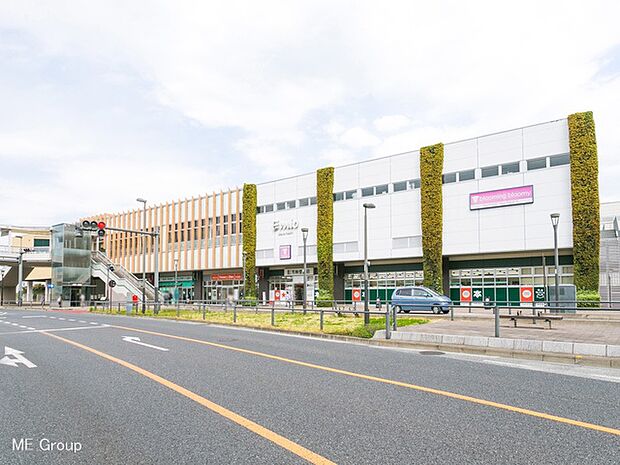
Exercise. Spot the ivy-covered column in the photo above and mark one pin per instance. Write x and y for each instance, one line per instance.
(585, 200)
(325, 232)
(431, 168)
(249, 239)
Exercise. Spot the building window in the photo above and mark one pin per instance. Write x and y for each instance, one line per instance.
(406, 242)
(304, 202)
(338, 196)
(536, 163)
(291, 204)
(269, 208)
(382, 189)
(413, 184)
(312, 200)
(489, 171)
(368, 191)
(281, 206)
(508, 168)
(557, 160)
(448, 178)
(350, 194)
(400, 186)
(466, 175)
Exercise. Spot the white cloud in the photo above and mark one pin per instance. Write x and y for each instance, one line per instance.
(214, 94)
(358, 138)
(391, 123)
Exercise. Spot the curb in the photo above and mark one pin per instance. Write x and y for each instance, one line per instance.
(607, 355)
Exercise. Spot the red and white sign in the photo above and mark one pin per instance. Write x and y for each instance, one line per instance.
(356, 295)
(227, 277)
(276, 295)
(527, 294)
(501, 197)
(466, 294)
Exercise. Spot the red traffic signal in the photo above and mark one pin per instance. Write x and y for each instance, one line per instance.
(101, 225)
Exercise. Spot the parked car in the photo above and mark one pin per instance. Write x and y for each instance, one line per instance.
(419, 298)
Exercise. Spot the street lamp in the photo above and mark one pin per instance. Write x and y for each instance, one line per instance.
(143, 241)
(2, 288)
(176, 283)
(366, 292)
(304, 233)
(20, 265)
(555, 220)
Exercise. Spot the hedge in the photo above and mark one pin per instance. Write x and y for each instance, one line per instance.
(249, 239)
(431, 167)
(585, 200)
(325, 232)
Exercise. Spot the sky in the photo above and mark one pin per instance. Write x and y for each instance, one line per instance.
(105, 101)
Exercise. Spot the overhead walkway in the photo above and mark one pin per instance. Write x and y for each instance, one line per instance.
(126, 282)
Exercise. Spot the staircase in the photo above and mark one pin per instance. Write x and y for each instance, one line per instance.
(126, 282)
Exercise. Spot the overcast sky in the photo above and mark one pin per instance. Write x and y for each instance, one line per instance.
(101, 102)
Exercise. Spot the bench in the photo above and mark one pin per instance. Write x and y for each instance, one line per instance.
(534, 318)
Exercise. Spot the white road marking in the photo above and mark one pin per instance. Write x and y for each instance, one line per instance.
(52, 317)
(35, 316)
(14, 324)
(82, 321)
(136, 340)
(31, 328)
(12, 357)
(22, 326)
(93, 323)
(71, 319)
(51, 330)
(61, 318)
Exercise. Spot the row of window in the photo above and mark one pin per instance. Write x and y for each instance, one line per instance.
(410, 184)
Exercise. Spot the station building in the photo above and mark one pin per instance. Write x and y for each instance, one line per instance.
(495, 235)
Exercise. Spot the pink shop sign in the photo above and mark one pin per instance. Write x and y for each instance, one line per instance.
(501, 197)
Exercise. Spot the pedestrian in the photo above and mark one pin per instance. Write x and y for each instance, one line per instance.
(59, 301)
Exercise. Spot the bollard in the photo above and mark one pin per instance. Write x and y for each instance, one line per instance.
(496, 310)
(451, 312)
(119, 308)
(204, 312)
(469, 307)
(273, 313)
(178, 311)
(321, 319)
(387, 324)
(235, 312)
(394, 322)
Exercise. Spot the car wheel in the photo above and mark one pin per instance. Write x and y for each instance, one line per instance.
(406, 311)
(435, 309)
(445, 312)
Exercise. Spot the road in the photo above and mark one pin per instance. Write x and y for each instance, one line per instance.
(119, 390)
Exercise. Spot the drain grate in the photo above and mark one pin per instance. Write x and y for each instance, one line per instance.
(431, 352)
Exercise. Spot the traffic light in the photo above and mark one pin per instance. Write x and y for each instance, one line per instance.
(100, 228)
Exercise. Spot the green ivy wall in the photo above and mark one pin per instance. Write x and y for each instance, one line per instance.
(585, 200)
(249, 238)
(325, 231)
(431, 167)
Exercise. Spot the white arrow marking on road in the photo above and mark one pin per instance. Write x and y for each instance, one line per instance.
(136, 340)
(12, 357)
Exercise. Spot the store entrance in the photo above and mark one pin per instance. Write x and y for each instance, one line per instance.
(298, 295)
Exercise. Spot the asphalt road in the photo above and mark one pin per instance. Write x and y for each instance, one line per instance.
(206, 394)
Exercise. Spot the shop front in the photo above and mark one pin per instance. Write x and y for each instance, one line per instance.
(179, 290)
(219, 287)
(288, 284)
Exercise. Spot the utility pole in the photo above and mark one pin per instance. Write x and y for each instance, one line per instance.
(2, 290)
(304, 233)
(143, 242)
(366, 291)
(555, 220)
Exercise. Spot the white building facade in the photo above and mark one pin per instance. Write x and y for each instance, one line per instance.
(498, 193)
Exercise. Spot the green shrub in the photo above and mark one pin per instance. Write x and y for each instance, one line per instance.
(585, 200)
(431, 168)
(325, 231)
(249, 239)
(588, 299)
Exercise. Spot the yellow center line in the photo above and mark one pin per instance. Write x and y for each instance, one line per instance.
(453, 395)
(230, 415)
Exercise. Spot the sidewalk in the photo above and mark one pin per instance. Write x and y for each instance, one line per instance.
(571, 340)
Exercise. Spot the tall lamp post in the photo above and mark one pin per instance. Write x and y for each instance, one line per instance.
(366, 292)
(304, 233)
(555, 220)
(20, 269)
(176, 282)
(143, 242)
(2, 289)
